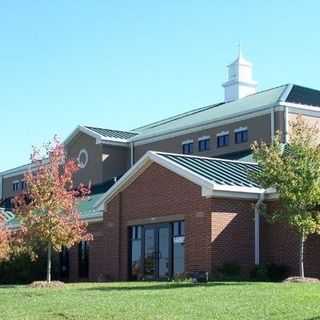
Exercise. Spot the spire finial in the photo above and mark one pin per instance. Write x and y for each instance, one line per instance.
(239, 49)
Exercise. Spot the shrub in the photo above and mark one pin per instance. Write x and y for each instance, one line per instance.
(22, 270)
(269, 272)
(230, 270)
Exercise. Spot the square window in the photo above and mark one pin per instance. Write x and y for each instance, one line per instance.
(241, 136)
(204, 145)
(22, 185)
(15, 186)
(187, 148)
(222, 140)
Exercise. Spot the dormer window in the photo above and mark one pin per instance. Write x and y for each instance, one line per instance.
(241, 135)
(187, 147)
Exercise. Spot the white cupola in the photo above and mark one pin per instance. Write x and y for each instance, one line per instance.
(240, 83)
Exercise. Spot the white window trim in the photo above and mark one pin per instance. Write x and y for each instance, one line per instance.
(85, 152)
(240, 129)
(222, 133)
(187, 141)
(15, 182)
(204, 138)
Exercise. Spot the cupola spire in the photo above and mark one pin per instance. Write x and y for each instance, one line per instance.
(240, 82)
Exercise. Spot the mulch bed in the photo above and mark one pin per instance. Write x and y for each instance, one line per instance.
(45, 284)
(301, 280)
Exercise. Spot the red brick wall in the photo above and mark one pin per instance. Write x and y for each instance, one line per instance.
(158, 193)
(280, 245)
(97, 257)
(232, 233)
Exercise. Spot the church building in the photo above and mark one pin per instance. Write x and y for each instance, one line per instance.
(175, 196)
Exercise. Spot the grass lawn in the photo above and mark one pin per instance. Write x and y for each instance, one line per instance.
(155, 300)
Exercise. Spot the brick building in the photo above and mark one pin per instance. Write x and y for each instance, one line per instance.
(189, 205)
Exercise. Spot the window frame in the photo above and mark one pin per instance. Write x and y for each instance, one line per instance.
(189, 145)
(241, 135)
(204, 144)
(225, 136)
(15, 185)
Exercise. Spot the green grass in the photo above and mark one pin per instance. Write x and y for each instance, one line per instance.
(154, 300)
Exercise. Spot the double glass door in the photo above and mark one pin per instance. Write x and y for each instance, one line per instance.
(156, 251)
(156, 255)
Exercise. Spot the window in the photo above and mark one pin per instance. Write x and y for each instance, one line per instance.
(204, 144)
(64, 263)
(83, 259)
(83, 158)
(136, 262)
(222, 140)
(178, 248)
(22, 185)
(241, 136)
(187, 147)
(15, 186)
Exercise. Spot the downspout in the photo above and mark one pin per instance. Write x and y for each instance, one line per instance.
(257, 228)
(272, 124)
(286, 125)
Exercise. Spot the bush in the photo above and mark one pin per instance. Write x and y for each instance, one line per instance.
(230, 270)
(22, 270)
(269, 272)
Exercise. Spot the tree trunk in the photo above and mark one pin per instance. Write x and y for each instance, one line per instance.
(49, 263)
(301, 254)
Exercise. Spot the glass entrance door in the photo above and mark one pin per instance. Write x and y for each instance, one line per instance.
(163, 252)
(156, 252)
(149, 253)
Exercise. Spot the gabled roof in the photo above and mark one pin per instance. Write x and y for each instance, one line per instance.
(216, 177)
(219, 171)
(303, 95)
(103, 135)
(113, 134)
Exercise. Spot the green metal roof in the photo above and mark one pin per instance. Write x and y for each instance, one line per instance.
(219, 171)
(86, 206)
(212, 113)
(112, 134)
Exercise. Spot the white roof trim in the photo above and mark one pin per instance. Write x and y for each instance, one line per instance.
(207, 186)
(164, 134)
(285, 93)
(222, 133)
(187, 141)
(21, 169)
(240, 129)
(203, 138)
(99, 137)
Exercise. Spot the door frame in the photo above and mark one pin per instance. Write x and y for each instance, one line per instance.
(155, 227)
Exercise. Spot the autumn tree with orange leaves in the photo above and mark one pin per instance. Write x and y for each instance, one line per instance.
(4, 240)
(47, 210)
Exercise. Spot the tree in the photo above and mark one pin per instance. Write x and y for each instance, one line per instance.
(4, 240)
(294, 171)
(47, 210)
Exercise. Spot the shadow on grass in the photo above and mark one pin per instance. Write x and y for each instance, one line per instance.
(9, 286)
(159, 286)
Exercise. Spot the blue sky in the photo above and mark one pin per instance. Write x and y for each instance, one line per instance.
(121, 64)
